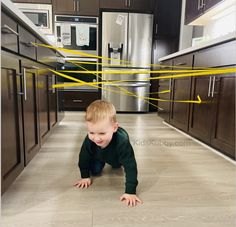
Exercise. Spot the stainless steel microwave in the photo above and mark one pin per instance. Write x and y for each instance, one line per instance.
(39, 14)
(77, 33)
(79, 64)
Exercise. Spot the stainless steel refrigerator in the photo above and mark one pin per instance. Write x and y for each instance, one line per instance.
(127, 37)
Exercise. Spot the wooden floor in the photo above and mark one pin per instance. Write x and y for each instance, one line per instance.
(181, 182)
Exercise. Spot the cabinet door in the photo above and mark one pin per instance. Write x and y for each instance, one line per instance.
(12, 153)
(193, 10)
(64, 7)
(210, 3)
(223, 132)
(200, 114)
(52, 100)
(30, 116)
(181, 88)
(141, 5)
(115, 4)
(76, 7)
(9, 33)
(164, 84)
(43, 101)
(87, 7)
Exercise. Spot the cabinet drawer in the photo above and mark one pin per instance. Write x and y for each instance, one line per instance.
(185, 61)
(9, 33)
(46, 56)
(78, 100)
(220, 55)
(25, 46)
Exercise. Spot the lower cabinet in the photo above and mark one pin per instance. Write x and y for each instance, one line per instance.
(78, 100)
(179, 115)
(29, 109)
(164, 85)
(212, 121)
(12, 150)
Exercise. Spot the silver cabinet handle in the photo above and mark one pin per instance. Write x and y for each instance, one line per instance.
(181, 63)
(129, 2)
(24, 84)
(128, 85)
(209, 87)
(156, 27)
(9, 29)
(77, 100)
(199, 5)
(74, 7)
(53, 83)
(202, 4)
(213, 86)
(78, 6)
(35, 67)
(169, 84)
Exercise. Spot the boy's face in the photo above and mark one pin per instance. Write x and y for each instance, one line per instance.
(101, 132)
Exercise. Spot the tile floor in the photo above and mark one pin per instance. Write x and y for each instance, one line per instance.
(181, 183)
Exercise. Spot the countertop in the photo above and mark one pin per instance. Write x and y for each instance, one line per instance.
(13, 10)
(226, 38)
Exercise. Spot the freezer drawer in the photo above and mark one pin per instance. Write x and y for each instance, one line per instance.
(126, 97)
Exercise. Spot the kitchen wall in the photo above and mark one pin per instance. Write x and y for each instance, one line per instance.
(221, 24)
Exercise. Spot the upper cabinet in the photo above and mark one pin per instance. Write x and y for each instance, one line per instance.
(76, 7)
(137, 5)
(196, 8)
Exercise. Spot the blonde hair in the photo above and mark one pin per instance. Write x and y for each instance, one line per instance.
(100, 110)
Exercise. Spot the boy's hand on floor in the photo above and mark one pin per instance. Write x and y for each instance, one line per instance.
(131, 200)
(83, 183)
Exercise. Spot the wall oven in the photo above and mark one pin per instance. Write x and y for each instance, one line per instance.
(77, 33)
(39, 14)
(79, 64)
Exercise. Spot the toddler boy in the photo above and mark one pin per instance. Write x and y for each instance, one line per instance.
(106, 142)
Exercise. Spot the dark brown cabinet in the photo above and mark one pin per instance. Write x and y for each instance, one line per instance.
(76, 7)
(12, 150)
(214, 120)
(78, 100)
(164, 107)
(43, 101)
(9, 33)
(223, 129)
(52, 100)
(26, 48)
(208, 4)
(195, 8)
(180, 91)
(136, 5)
(30, 109)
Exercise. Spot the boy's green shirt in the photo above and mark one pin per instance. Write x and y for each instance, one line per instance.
(118, 152)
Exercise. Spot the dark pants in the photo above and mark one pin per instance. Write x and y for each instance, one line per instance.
(96, 167)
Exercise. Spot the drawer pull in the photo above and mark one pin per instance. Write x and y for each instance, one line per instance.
(77, 100)
(5, 27)
(29, 44)
(209, 87)
(181, 63)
